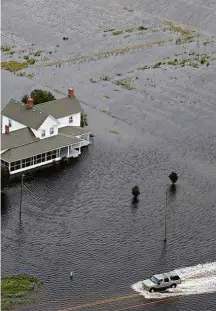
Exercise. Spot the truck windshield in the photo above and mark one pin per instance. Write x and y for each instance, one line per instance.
(154, 279)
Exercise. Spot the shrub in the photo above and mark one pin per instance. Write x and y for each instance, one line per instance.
(84, 121)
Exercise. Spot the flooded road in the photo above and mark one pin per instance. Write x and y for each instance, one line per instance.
(157, 119)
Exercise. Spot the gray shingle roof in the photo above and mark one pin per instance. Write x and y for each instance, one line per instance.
(17, 111)
(33, 118)
(17, 138)
(60, 108)
(38, 147)
(73, 130)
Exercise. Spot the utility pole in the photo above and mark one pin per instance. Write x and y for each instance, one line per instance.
(165, 227)
(21, 194)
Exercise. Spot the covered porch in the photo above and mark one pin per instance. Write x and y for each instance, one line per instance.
(42, 159)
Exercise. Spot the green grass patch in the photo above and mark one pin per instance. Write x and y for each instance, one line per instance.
(183, 30)
(128, 9)
(173, 62)
(18, 289)
(117, 32)
(129, 30)
(203, 60)
(109, 30)
(142, 28)
(126, 84)
(114, 132)
(31, 61)
(143, 67)
(157, 65)
(13, 65)
(37, 54)
(5, 48)
(105, 78)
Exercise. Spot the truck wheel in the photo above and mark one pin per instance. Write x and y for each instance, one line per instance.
(173, 286)
(151, 290)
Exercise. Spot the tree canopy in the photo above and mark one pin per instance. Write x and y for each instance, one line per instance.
(39, 96)
(173, 177)
(135, 191)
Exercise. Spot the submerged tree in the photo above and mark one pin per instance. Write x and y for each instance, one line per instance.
(135, 192)
(39, 96)
(173, 177)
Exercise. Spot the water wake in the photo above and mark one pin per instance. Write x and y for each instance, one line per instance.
(199, 279)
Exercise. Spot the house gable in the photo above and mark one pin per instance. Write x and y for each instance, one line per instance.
(48, 128)
(13, 125)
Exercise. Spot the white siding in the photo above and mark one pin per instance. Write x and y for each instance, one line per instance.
(14, 124)
(65, 120)
(49, 123)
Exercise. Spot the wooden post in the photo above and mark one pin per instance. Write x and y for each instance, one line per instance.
(165, 224)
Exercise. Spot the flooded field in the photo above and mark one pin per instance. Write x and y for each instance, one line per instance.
(145, 73)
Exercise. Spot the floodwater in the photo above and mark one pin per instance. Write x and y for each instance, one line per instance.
(82, 219)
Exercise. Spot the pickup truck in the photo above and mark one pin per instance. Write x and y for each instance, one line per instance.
(160, 282)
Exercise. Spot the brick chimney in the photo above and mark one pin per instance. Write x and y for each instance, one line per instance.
(71, 93)
(30, 102)
(7, 129)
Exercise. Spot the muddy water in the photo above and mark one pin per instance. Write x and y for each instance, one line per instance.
(82, 219)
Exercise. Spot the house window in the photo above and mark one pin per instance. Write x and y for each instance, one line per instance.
(51, 130)
(15, 165)
(43, 134)
(71, 119)
(9, 122)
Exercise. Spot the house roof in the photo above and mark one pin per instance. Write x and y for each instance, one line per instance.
(34, 117)
(17, 138)
(38, 147)
(60, 108)
(17, 111)
(73, 130)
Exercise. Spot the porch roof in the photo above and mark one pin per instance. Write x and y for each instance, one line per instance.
(17, 138)
(38, 147)
(73, 130)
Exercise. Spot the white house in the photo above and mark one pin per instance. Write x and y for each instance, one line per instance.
(36, 135)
